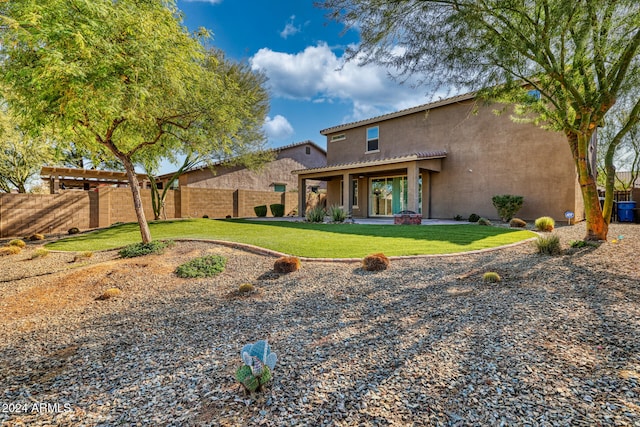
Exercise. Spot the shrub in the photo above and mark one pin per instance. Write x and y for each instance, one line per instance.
(109, 293)
(286, 264)
(491, 277)
(549, 245)
(582, 244)
(73, 230)
(507, 205)
(375, 262)
(316, 214)
(82, 255)
(246, 288)
(206, 266)
(484, 221)
(205, 216)
(337, 214)
(141, 249)
(260, 210)
(39, 253)
(474, 217)
(10, 250)
(458, 217)
(36, 236)
(517, 222)
(277, 209)
(545, 223)
(17, 242)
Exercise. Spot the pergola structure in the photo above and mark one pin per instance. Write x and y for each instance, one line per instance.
(85, 179)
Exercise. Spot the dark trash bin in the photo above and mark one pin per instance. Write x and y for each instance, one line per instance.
(626, 211)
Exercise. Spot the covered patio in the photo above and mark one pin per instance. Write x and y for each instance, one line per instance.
(377, 188)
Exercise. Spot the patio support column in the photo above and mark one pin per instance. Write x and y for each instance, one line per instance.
(302, 196)
(347, 193)
(413, 177)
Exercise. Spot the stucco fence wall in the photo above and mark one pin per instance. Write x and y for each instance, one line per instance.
(25, 214)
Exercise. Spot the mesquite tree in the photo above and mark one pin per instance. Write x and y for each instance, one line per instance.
(123, 75)
(579, 55)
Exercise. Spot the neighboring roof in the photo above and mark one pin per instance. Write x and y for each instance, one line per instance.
(271, 150)
(441, 154)
(94, 174)
(412, 110)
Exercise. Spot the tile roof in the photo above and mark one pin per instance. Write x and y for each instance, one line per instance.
(422, 155)
(412, 110)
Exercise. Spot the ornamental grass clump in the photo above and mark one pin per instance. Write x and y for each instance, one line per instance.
(206, 266)
(141, 249)
(10, 250)
(375, 262)
(491, 277)
(36, 236)
(17, 242)
(337, 214)
(39, 253)
(316, 214)
(517, 223)
(484, 221)
(286, 264)
(548, 245)
(545, 223)
(246, 288)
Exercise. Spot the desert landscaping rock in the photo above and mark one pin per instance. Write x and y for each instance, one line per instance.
(426, 342)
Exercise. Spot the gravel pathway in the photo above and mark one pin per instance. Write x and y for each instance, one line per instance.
(557, 342)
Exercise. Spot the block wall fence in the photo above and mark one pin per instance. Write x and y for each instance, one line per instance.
(24, 214)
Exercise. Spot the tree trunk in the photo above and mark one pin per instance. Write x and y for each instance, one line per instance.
(137, 200)
(597, 227)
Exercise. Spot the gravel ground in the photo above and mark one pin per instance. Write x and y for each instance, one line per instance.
(557, 342)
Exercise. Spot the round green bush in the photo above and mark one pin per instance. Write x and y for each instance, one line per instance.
(474, 217)
(206, 266)
(260, 210)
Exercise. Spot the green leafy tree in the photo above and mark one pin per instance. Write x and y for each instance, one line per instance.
(579, 55)
(245, 147)
(21, 156)
(123, 75)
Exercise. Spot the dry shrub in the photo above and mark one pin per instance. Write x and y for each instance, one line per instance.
(517, 222)
(10, 250)
(109, 293)
(286, 264)
(36, 236)
(375, 262)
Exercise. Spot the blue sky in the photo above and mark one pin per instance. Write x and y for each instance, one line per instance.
(301, 52)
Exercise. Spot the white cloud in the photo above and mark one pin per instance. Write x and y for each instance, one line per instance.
(317, 74)
(289, 29)
(277, 128)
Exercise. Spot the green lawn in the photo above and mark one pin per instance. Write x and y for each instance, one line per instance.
(308, 240)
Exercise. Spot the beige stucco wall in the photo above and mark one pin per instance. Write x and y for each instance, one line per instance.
(487, 154)
(277, 171)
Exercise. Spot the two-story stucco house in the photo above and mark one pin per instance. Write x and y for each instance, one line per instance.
(275, 175)
(444, 159)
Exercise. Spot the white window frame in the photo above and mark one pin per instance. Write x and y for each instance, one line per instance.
(377, 139)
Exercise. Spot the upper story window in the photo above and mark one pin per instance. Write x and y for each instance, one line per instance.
(372, 139)
(339, 137)
(307, 150)
(279, 188)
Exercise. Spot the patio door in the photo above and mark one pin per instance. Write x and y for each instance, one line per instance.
(388, 195)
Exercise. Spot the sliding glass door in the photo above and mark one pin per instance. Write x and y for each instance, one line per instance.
(388, 195)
